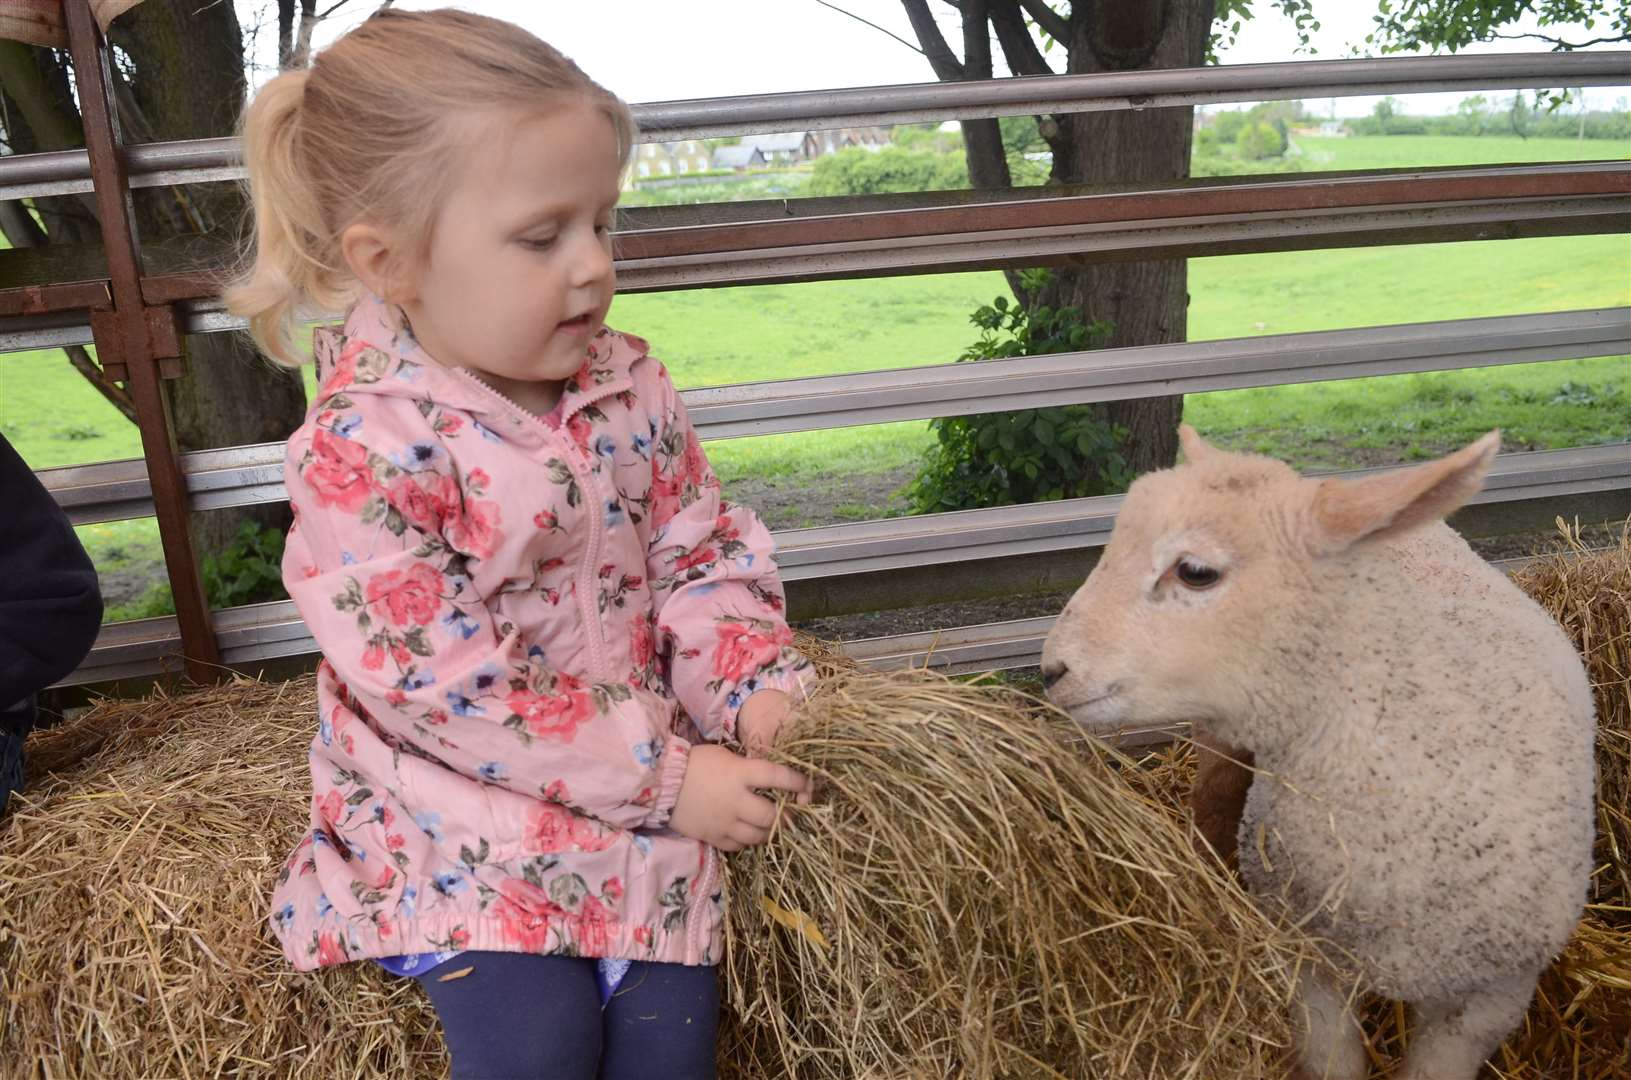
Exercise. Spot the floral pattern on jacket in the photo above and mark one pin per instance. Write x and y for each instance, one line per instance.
(525, 623)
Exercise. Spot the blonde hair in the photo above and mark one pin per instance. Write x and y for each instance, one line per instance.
(368, 133)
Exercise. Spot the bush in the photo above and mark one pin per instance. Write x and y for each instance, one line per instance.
(1260, 141)
(1033, 455)
(1229, 125)
(873, 172)
(248, 571)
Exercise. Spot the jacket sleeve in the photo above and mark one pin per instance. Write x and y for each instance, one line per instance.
(50, 603)
(387, 597)
(720, 607)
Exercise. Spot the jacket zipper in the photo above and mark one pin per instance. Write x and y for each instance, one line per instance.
(588, 568)
(708, 883)
(588, 573)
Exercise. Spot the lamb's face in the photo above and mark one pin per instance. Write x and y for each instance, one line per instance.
(1167, 628)
(1214, 583)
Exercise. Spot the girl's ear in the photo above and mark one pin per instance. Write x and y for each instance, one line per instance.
(1345, 512)
(371, 253)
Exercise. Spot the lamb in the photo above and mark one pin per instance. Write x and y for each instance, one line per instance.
(1422, 732)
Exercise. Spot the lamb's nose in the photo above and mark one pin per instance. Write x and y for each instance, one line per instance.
(1052, 674)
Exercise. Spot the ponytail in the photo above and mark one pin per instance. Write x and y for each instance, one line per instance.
(292, 261)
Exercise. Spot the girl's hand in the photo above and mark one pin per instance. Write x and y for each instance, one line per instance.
(718, 804)
(760, 718)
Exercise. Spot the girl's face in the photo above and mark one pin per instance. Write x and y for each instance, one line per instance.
(519, 276)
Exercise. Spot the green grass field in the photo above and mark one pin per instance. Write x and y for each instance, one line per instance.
(825, 328)
(738, 335)
(1406, 151)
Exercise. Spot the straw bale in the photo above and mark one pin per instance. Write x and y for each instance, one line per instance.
(133, 896)
(978, 891)
(1589, 594)
(995, 899)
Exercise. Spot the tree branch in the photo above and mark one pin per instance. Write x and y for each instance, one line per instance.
(111, 391)
(1560, 43)
(1018, 47)
(1056, 25)
(976, 40)
(18, 226)
(302, 42)
(854, 16)
(945, 64)
(285, 33)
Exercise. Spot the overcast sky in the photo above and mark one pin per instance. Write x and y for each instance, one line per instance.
(655, 50)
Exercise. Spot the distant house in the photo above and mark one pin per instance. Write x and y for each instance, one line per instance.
(785, 147)
(690, 156)
(652, 159)
(1326, 129)
(739, 157)
(670, 159)
(836, 139)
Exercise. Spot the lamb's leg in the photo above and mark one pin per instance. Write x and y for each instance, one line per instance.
(1222, 777)
(1453, 1038)
(1332, 1046)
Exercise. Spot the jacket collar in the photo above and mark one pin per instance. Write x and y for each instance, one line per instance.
(375, 353)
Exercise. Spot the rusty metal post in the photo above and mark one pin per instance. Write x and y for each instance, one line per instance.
(144, 340)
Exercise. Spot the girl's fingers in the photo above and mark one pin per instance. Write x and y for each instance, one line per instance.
(749, 835)
(759, 811)
(767, 774)
(728, 843)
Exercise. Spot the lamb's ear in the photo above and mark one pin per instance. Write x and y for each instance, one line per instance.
(1195, 448)
(1345, 512)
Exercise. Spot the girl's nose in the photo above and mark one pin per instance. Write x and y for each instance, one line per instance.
(592, 261)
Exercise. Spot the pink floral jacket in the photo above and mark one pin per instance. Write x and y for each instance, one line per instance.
(524, 621)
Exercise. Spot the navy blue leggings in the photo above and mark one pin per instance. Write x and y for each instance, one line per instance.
(522, 1017)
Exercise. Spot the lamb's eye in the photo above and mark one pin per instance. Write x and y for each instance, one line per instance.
(1195, 575)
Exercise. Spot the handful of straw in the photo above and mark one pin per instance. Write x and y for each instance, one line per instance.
(979, 892)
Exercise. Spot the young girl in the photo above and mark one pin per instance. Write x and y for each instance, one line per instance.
(536, 612)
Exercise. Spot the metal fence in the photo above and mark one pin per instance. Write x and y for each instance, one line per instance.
(134, 306)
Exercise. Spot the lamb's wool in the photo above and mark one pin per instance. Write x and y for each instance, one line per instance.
(1422, 730)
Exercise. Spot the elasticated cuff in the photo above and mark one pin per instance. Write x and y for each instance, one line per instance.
(671, 774)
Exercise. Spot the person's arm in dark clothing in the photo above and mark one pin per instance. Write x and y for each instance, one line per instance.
(50, 603)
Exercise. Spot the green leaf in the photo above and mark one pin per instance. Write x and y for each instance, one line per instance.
(568, 890)
(415, 640)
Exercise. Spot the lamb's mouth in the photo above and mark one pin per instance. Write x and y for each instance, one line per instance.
(1082, 709)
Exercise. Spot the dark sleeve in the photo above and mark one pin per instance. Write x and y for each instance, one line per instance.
(50, 604)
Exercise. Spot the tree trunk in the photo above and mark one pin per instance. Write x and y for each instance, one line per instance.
(39, 116)
(188, 84)
(982, 139)
(1146, 303)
